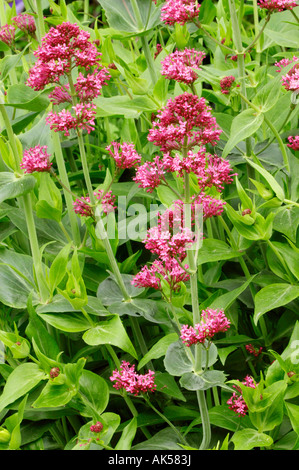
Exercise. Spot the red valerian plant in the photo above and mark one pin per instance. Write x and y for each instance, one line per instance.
(183, 116)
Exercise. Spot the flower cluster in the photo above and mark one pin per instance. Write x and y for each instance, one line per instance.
(36, 159)
(64, 48)
(25, 23)
(179, 11)
(293, 142)
(125, 155)
(127, 379)
(97, 428)
(236, 402)
(212, 322)
(185, 119)
(82, 206)
(252, 350)
(169, 241)
(7, 34)
(226, 84)
(180, 64)
(64, 121)
(290, 80)
(277, 5)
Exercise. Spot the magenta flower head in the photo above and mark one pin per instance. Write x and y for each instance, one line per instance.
(83, 208)
(150, 175)
(277, 5)
(226, 84)
(212, 322)
(236, 402)
(64, 47)
(125, 155)
(127, 379)
(179, 11)
(97, 428)
(184, 118)
(36, 159)
(293, 142)
(180, 64)
(7, 34)
(83, 118)
(25, 23)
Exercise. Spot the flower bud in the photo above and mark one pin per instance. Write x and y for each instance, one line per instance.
(98, 427)
(54, 372)
(4, 436)
(246, 212)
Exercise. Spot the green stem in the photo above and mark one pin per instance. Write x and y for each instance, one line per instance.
(145, 47)
(86, 10)
(40, 21)
(139, 336)
(66, 188)
(92, 324)
(201, 397)
(248, 49)
(199, 25)
(180, 436)
(295, 16)
(37, 260)
(114, 266)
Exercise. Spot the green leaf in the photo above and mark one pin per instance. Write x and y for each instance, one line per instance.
(110, 332)
(226, 300)
(109, 291)
(58, 268)
(159, 349)
(127, 436)
(22, 97)
(273, 296)
(209, 379)
(167, 384)
(70, 323)
(248, 439)
(286, 221)
(11, 187)
(268, 96)
(19, 347)
(293, 413)
(278, 190)
(94, 393)
(215, 250)
(22, 379)
(221, 416)
(244, 125)
(176, 360)
(122, 18)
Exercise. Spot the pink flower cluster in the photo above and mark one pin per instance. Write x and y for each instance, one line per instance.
(7, 34)
(212, 322)
(127, 379)
(125, 155)
(169, 240)
(150, 175)
(185, 119)
(290, 81)
(64, 48)
(252, 350)
(293, 142)
(64, 121)
(236, 402)
(25, 23)
(36, 159)
(180, 64)
(97, 428)
(170, 271)
(82, 206)
(179, 11)
(277, 5)
(226, 84)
